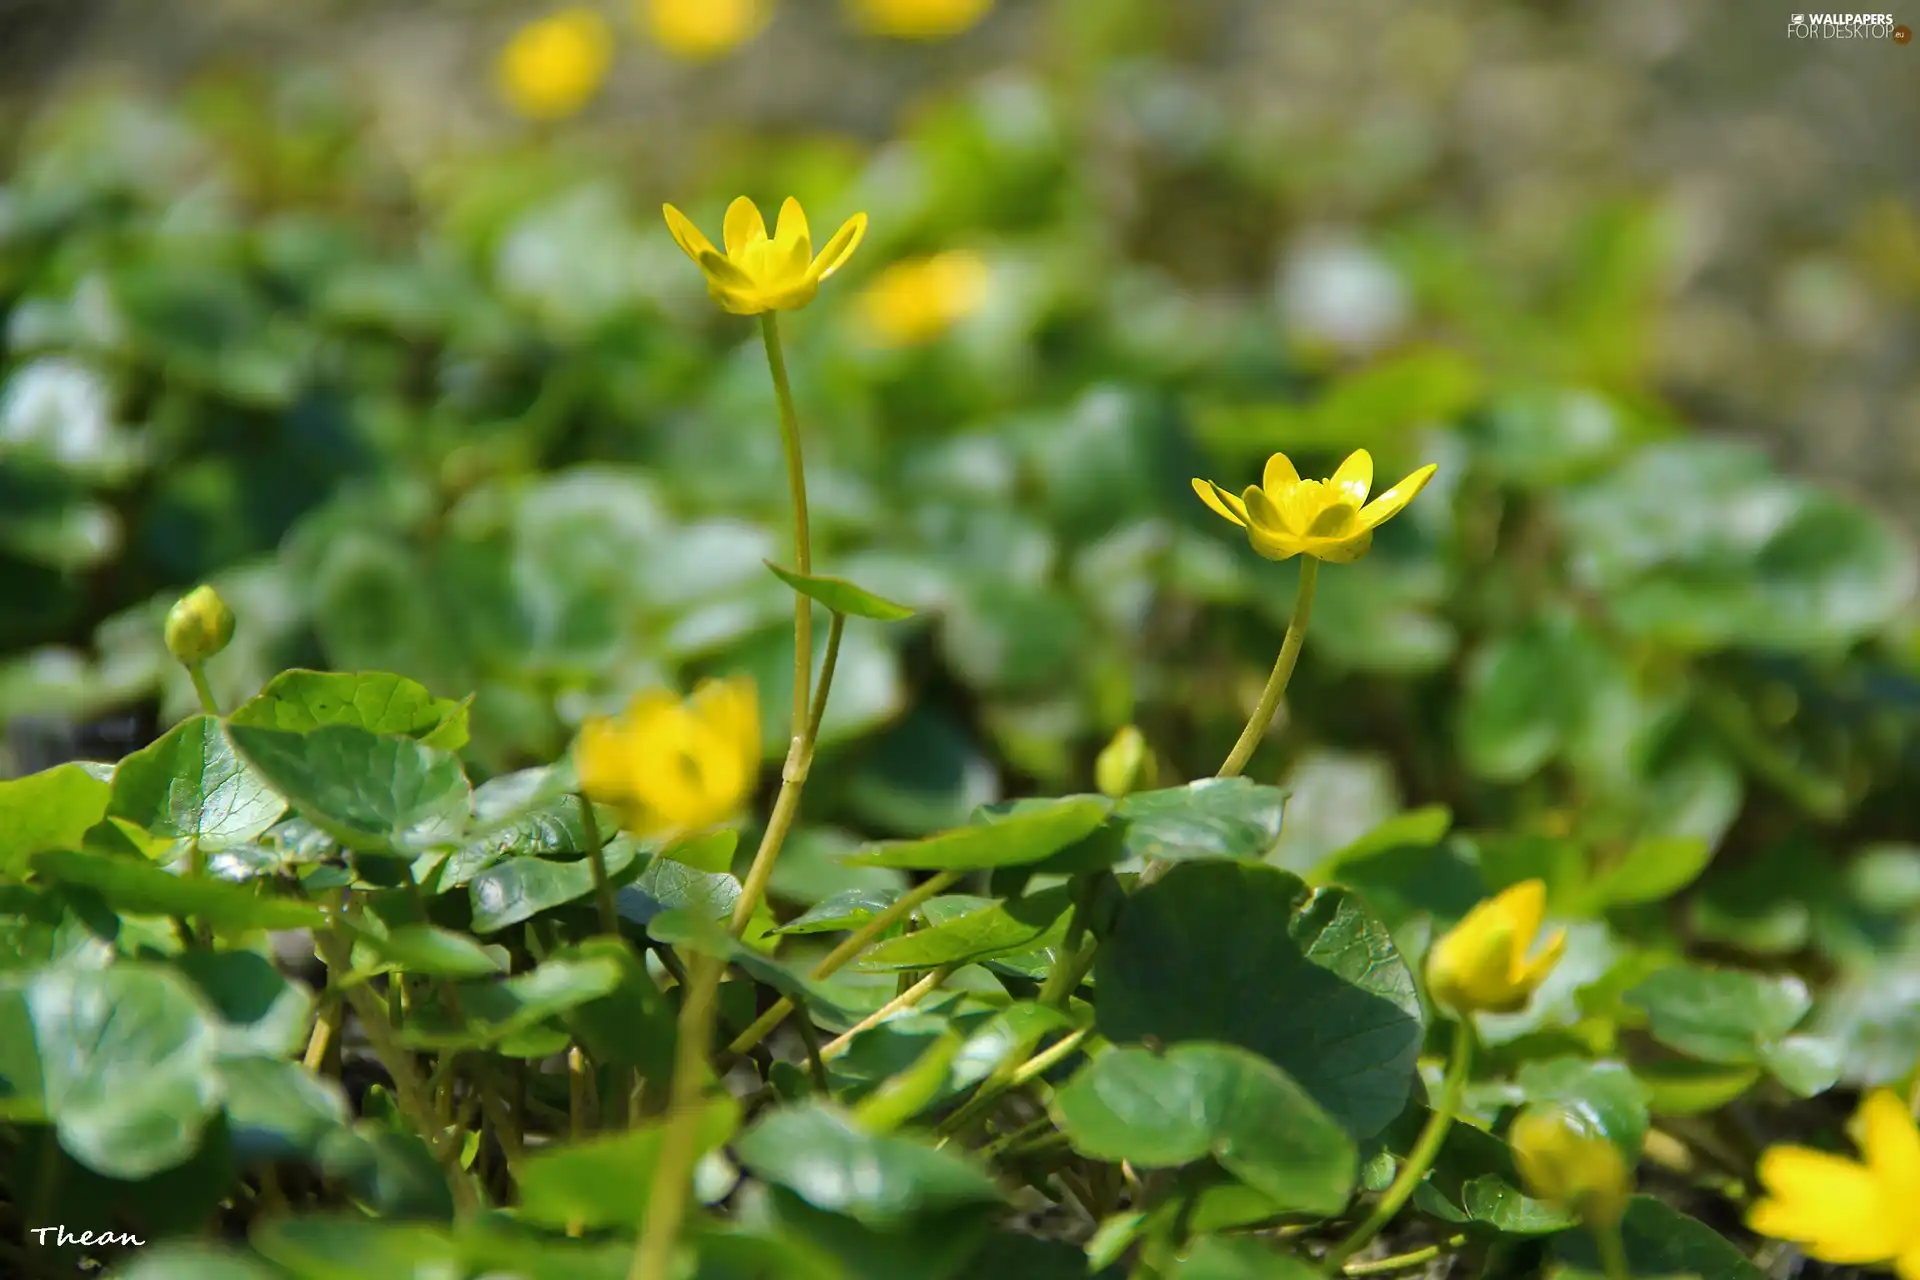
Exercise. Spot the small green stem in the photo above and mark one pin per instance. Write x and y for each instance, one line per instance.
(1000, 1083)
(197, 672)
(851, 946)
(905, 1000)
(802, 539)
(1613, 1251)
(1282, 673)
(1425, 1148)
(679, 1143)
(597, 857)
(1402, 1261)
(836, 624)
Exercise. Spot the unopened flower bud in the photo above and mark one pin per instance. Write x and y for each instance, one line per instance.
(1124, 765)
(1565, 1160)
(198, 626)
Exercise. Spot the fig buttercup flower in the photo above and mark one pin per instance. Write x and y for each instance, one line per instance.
(1481, 964)
(1285, 516)
(673, 765)
(758, 273)
(698, 30)
(1124, 765)
(553, 67)
(1564, 1159)
(1850, 1212)
(198, 626)
(917, 19)
(917, 300)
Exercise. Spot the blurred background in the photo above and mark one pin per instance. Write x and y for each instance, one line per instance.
(366, 314)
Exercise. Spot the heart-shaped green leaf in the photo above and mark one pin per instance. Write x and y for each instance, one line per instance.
(822, 1156)
(191, 785)
(374, 794)
(1197, 1100)
(51, 809)
(376, 701)
(1029, 835)
(1247, 954)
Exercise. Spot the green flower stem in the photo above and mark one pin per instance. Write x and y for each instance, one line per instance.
(1419, 1160)
(680, 1141)
(835, 960)
(1613, 1251)
(597, 857)
(793, 778)
(802, 537)
(409, 1090)
(1282, 673)
(1402, 1261)
(1002, 1082)
(197, 672)
(905, 1000)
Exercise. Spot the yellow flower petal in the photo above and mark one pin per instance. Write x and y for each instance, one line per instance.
(1531, 973)
(840, 248)
(793, 228)
(685, 234)
(1525, 904)
(1280, 474)
(724, 272)
(1354, 477)
(1262, 513)
(1334, 521)
(1908, 1264)
(1223, 503)
(744, 226)
(1891, 1144)
(1831, 1206)
(1394, 500)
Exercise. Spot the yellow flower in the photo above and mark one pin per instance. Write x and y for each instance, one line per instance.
(553, 67)
(1844, 1211)
(702, 29)
(672, 765)
(758, 274)
(1286, 516)
(1481, 964)
(1565, 1160)
(1124, 765)
(915, 301)
(918, 19)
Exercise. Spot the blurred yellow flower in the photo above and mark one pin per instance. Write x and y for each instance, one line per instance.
(1482, 965)
(1286, 516)
(1843, 1211)
(553, 67)
(1124, 765)
(918, 19)
(702, 29)
(670, 765)
(1565, 1160)
(758, 274)
(915, 301)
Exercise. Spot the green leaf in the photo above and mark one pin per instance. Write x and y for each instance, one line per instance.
(278, 1110)
(392, 1173)
(632, 1025)
(330, 1247)
(1660, 1242)
(1198, 1100)
(1212, 818)
(848, 909)
(1682, 1087)
(1415, 829)
(822, 1156)
(1720, 1015)
(140, 888)
(51, 809)
(521, 888)
(127, 1059)
(301, 701)
(1247, 954)
(841, 596)
(374, 794)
(175, 1261)
(261, 1010)
(1653, 870)
(1237, 1258)
(433, 951)
(997, 929)
(1014, 840)
(491, 1012)
(191, 785)
(603, 1181)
